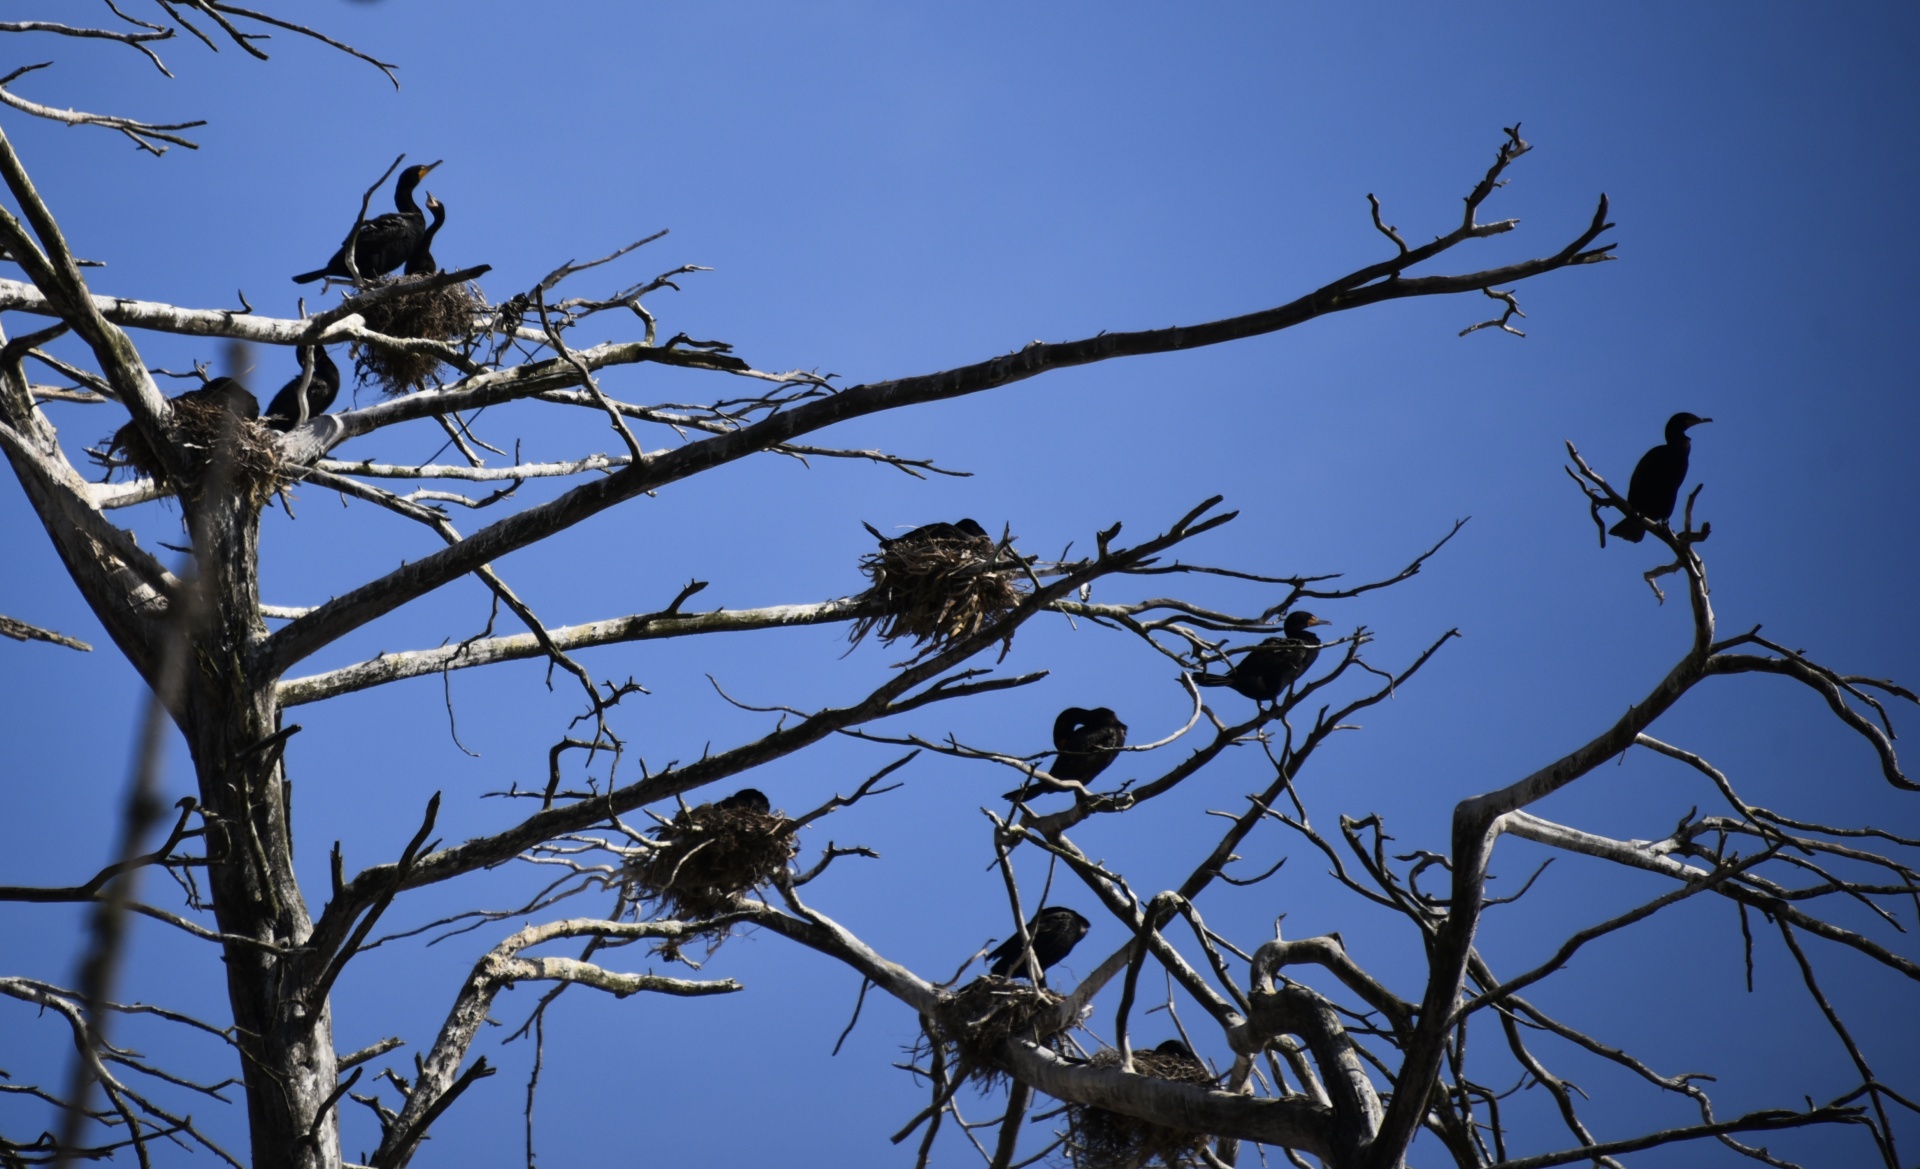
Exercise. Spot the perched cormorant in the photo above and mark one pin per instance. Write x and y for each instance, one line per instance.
(1085, 743)
(1655, 486)
(1276, 663)
(747, 799)
(283, 413)
(928, 533)
(385, 241)
(421, 262)
(1055, 931)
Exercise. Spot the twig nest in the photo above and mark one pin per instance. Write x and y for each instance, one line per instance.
(443, 314)
(976, 1019)
(712, 854)
(216, 426)
(938, 590)
(1099, 1139)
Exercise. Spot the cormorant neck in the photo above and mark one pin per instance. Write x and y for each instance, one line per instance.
(403, 193)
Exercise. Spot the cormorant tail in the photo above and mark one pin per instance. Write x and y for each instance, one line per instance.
(310, 277)
(1629, 529)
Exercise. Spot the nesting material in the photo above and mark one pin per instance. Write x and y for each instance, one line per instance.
(216, 427)
(440, 314)
(1099, 1139)
(976, 1019)
(937, 591)
(712, 854)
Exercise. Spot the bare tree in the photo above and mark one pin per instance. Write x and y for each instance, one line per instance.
(1329, 1061)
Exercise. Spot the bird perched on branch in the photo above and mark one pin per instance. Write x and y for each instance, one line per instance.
(421, 262)
(1055, 931)
(1085, 743)
(1655, 486)
(283, 413)
(385, 241)
(928, 533)
(1276, 663)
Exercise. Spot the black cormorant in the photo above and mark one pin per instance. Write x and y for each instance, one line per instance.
(927, 533)
(1085, 743)
(1175, 1047)
(747, 799)
(421, 262)
(1655, 486)
(385, 241)
(1276, 663)
(283, 413)
(1055, 931)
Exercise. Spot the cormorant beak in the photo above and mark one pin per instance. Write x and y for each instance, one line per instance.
(1319, 621)
(1697, 422)
(423, 169)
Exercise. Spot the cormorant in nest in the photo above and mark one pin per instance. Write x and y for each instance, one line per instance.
(283, 413)
(421, 262)
(1655, 486)
(928, 533)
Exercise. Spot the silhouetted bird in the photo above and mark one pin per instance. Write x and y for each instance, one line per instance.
(225, 392)
(385, 241)
(1085, 742)
(1055, 931)
(1275, 664)
(283, 413)
(928, 533)
(747, 799)
(1655, 486)
(1175, 1047)
(421, 262)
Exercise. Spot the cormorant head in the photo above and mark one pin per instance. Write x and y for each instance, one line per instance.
(1174, 1047)
(1678, 425)
(413, 174)
(1063, 919)
(1299, 621)
(438, 208)
(972, 528)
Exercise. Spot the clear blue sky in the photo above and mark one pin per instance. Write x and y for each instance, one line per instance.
(886, 190)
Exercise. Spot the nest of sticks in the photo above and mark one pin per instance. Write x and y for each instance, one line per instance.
(710, 855)
(445, 314)
(1099, 1139)
(976, 1019)
(223, 443)
(939, 590)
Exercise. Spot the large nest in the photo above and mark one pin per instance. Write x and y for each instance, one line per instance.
(710, 855)
(444, 314)
(938, 590)
(1099, 1139)
(223, 443)
(976, 1019)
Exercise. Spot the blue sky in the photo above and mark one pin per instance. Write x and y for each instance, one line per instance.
(884, 190)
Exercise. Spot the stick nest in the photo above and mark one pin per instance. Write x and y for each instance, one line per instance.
(220, 445)
(938, 591)
(710, 855)
(444, 314)
(976, 1019)
(1099, 1139)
